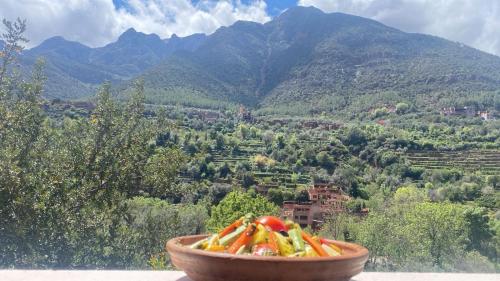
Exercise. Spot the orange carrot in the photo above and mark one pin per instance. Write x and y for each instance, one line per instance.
(315, 245)
(243, 240)
(273, 242)
(231, 228)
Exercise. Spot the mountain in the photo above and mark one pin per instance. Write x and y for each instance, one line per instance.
(131, 54)
(188, 43)
(304, 61)
(316, 61)
(75, 70)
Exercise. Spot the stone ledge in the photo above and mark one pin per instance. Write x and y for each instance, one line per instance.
(120, 275)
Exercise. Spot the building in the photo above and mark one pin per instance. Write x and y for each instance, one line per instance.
(485, 115)
(459, 111)
(323, 125)
(466, 112)
(245, 115)
(323, 199)
(207, 116)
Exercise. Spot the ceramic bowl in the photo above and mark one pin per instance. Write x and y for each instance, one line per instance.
(202, 265)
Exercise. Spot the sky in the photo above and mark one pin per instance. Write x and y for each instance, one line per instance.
(98, 22)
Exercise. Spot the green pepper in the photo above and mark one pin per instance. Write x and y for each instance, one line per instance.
(297, 241)
(231, 237)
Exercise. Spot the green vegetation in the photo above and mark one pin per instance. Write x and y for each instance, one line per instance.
(237, 204)
(105, 186)
(412, 233)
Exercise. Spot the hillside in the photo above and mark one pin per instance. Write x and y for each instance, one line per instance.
(75, 70)
(302, 62)
(307, 61)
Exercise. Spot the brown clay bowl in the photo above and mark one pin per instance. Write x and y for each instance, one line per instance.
(201, 265)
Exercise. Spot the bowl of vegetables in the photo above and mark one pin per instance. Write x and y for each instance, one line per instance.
(265, 249)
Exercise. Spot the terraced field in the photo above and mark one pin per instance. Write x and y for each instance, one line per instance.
(485, 161)
(279, 175)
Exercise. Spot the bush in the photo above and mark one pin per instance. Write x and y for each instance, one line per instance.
(402, 108)
(235, 205)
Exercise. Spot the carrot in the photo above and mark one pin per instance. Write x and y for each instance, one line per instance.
(273, 242)
(231, 228)
(315, 245)
(243, 240)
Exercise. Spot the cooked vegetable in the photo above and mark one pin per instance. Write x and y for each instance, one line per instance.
(241, 250)
(330, 251)
(215, 248)
(198, 244)
(273, 243)
(243, 240)
(260, 235)
(231, 228)
(231, 237)
(335, 247)
(213, 240)
(263, 250)
(284, 246)
(310, 252)
(267, 236)
(298, 242)
(273, 222)
(315, 245)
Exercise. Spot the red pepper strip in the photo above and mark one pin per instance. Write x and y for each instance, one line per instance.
(273, 242)
(335, 247)
(243, 240)
(231, 228)
(315, 245)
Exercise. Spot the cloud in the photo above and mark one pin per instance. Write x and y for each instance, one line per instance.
(98, 22)
(473, 22)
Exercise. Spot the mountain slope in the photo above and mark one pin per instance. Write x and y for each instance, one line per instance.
(224, 67)
(74, 70)
(310, 59)
(303, 61)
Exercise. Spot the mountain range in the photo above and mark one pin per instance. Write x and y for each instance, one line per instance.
(304, 59)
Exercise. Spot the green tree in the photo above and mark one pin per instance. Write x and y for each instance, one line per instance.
(235, 205)
(402, 108)
(161, 171)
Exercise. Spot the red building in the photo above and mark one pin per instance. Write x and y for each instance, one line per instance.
(323, 199)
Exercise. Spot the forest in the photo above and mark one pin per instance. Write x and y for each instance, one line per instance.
(107, 186)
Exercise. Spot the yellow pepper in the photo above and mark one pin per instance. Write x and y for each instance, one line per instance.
(260, 236)
(285, 247)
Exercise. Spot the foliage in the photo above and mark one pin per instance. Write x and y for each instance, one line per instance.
(235, 205)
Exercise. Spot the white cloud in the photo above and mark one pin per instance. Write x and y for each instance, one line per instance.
(98, 22)
(474, 22)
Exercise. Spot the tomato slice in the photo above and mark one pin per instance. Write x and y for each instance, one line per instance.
(273, 222)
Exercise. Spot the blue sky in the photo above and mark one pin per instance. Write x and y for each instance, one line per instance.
(98, 22)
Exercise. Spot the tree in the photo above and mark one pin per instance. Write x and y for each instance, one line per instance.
(494, 181)
(224, 170)
(219, 141)
(235, 205)
(438, 231)
(325, 161)
(13, 38)
(275, 195)
(402, 108)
